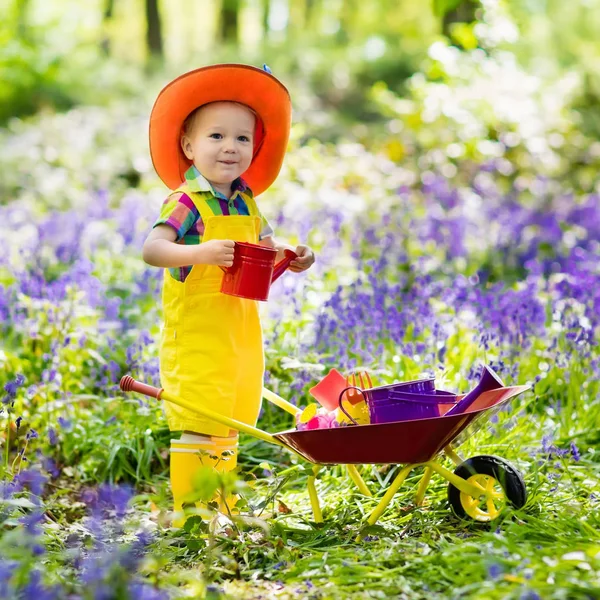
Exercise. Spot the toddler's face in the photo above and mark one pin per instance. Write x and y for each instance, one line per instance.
(220, 141)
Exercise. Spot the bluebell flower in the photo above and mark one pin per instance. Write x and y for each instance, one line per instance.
(142, 591)
(32, 479)
(35, 590)
(575, 452)
(12, 386)
(32, 521)
(530, 595)
(7, 568)
(494, 571)
(52, 438)
(50, 466)
(64, 423)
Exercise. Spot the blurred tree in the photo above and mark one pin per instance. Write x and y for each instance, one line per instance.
(229, 21)
(465, 11)
(266, 9)
(297, 22)
(109, 8)
(21, 8)
(348, 14)
(313, 13)
(153, 31)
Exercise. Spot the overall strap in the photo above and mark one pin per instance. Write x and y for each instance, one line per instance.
(199, 200)
(251, 204)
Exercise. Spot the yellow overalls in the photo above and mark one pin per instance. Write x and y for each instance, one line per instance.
(211, 350)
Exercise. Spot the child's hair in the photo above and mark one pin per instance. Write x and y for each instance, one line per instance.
(188, 124)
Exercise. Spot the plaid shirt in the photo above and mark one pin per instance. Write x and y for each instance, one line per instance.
(183, 216)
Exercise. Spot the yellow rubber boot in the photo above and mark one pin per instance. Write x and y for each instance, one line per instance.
(227, 449)
(185, 460)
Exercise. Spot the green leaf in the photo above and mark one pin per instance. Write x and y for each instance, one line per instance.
(20, 502)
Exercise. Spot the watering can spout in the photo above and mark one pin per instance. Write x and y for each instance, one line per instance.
(487, 382)
(280, 268)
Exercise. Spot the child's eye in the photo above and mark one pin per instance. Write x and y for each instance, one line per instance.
(216, 136)
(243, 138)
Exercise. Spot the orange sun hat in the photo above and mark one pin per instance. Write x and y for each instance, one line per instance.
(251, 86)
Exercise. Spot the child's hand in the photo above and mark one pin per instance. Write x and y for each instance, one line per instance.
(216, 252)
(305, 260)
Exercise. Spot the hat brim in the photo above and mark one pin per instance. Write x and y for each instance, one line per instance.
(251, 86)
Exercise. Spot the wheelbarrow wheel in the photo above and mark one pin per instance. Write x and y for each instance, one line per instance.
(492, 474)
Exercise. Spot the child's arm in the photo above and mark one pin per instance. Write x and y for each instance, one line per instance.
(306, 257)
(160, 250)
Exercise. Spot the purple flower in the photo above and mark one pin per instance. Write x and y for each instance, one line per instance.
(108, 498)
(35, 590)
(31, 434)
(18, 422)
(7, 568)
(31, 522)
(132, 555)
(495, 570)
(530, 595)
(50, 466)
(31, 479)
(575, 452)
(64, 423)
(12, 386)
(52, 438)
(7, 489)
(142, 591)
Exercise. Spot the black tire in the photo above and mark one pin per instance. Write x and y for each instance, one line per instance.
(502, 471)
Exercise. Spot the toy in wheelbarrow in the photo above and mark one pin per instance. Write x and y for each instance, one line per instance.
(412, 424)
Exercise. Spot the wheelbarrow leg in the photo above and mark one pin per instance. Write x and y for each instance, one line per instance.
(423, 486)
(358, 480)
(387, 498)
(314, 499)
(453, 456)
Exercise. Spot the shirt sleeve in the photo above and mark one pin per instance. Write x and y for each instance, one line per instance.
(265, 228)
(179, 212)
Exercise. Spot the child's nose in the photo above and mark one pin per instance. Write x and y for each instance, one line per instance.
(229, 145)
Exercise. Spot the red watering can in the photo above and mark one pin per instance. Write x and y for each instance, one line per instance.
(253, 271)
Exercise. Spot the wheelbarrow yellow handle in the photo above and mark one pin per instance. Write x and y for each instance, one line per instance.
(129, 384)
(279, 401)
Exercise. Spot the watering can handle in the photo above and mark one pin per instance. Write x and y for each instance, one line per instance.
(281, 267)
(350, 387)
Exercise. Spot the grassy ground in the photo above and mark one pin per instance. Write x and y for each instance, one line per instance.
(406, 285)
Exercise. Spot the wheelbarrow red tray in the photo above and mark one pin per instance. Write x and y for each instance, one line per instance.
(407, 442)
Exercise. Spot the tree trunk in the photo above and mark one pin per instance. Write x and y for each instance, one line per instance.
(109, 9)
(266, 5)
(465, 12)
(229, 21)
(347, 20)
(297, 21)
(21, 10)
(313, 14)
(153, 32)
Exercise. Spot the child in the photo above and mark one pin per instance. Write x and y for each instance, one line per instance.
(218, 136)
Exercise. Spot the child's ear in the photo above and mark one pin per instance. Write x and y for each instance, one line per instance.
(186, 146)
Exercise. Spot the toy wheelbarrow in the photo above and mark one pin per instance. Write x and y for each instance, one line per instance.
(479, 488)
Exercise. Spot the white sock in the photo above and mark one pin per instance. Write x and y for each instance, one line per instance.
(194, 438)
